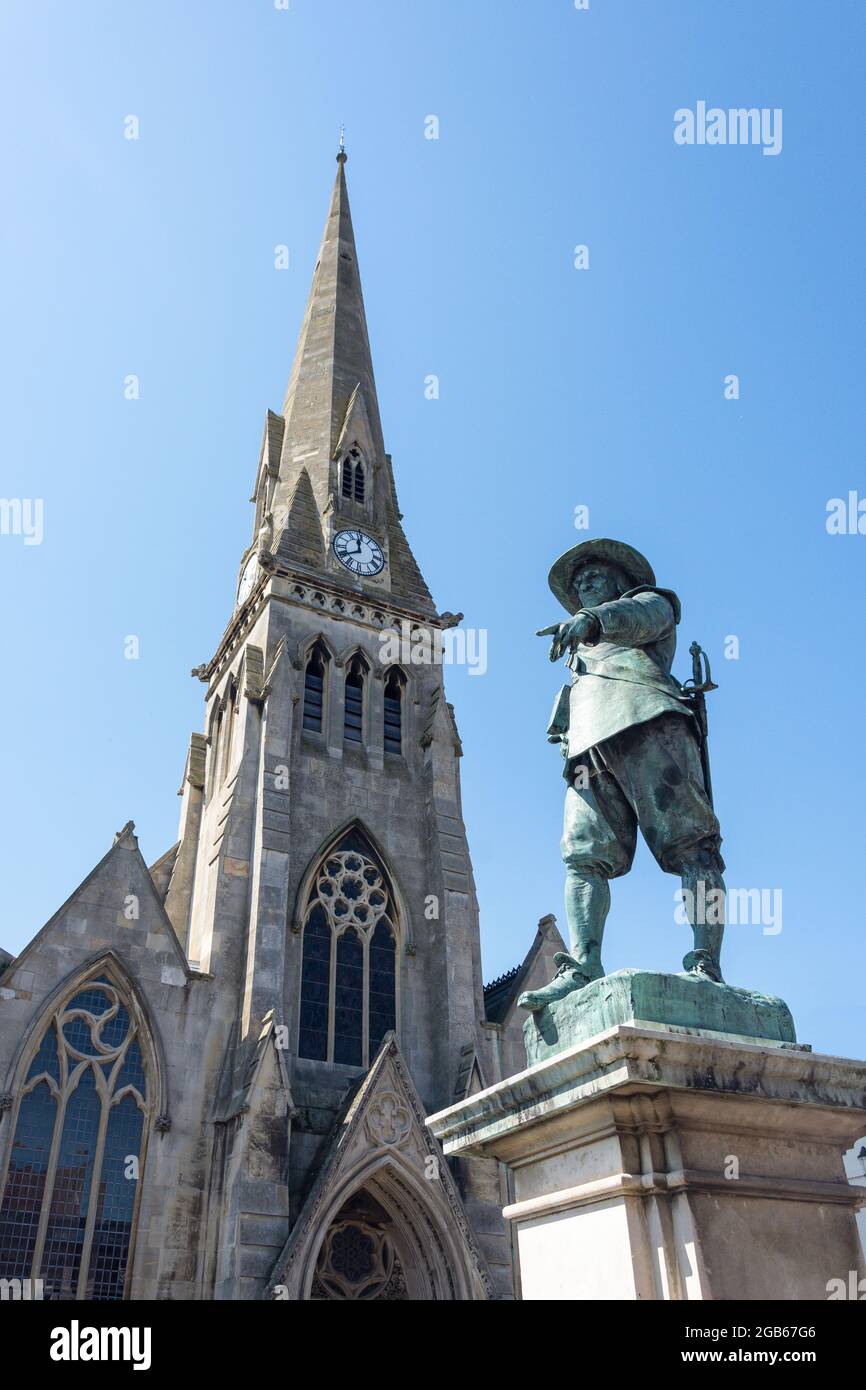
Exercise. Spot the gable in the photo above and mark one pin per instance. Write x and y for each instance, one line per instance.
(501, 995)
(117, 907)
(356, 428)
(382, 1148)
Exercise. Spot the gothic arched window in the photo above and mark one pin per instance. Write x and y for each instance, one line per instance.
(229, 729)
(216, 725)
(348, 972)
(353, 710)
(354, 478)
(314, 689)
(348, 470)
(70, 1192)
(393, 718)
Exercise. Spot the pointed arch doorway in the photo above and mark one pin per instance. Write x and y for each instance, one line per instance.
(383, 1220)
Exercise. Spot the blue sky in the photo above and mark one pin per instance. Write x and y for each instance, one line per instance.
(559, 388)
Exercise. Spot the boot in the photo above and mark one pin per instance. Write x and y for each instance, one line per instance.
(702, 876)
(703, 964)
(570, 975)
(587, 903)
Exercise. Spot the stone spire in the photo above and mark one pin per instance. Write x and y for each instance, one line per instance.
(331, 412)
(332, 360)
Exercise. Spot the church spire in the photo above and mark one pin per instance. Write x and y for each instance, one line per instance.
(323, 467)
(332, 362)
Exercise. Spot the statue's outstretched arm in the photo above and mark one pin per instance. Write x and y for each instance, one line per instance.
(636, 620)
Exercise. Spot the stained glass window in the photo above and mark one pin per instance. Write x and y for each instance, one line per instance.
(315, 985)
(64, 1238)
(115, 1201)
(70, 1192)
(349, 1000)
(383, 1011)
(347, 1010)
(46, 1059)
(25, 1185)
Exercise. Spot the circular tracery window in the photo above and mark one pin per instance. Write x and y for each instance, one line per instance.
(358, 1262)
(352, 891)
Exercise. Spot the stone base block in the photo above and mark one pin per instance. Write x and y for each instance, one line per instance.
(648, 1164)
(644, 996)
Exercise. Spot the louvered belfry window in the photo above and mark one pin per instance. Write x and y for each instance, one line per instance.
(353, 713)
(393, 717)
(348, 471)
(359, 481)
(348, 971)
(70, 1193)
(314, 690)
(353, 477)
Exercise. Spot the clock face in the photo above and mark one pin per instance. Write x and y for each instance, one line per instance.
(359, 553)
(247, 578)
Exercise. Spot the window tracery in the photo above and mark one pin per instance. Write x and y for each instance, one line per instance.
(348, 972)
(70, 1192)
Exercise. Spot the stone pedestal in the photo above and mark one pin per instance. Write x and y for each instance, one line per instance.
(655, 1163)
(683, 1001)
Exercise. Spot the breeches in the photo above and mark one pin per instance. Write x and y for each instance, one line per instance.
(648, 776)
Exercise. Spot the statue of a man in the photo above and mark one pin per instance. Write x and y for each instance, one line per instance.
(632, 757)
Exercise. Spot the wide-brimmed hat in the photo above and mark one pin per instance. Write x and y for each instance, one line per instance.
(634, 566)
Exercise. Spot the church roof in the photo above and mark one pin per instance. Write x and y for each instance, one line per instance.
(501, 993)
(498, 994)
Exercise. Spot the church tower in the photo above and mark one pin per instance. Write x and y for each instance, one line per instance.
(323, 861)
(320, 746)
(263, 1017)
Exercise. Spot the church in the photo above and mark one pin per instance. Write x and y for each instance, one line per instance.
(215, 1069)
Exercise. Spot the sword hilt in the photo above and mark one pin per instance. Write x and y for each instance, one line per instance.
(702, 676)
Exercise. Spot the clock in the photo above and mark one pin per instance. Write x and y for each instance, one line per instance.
(359, 553)
(247, 578)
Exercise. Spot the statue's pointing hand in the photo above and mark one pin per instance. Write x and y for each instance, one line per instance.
(583, 627)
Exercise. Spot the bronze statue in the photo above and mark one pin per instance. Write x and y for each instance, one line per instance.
(633, 739)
